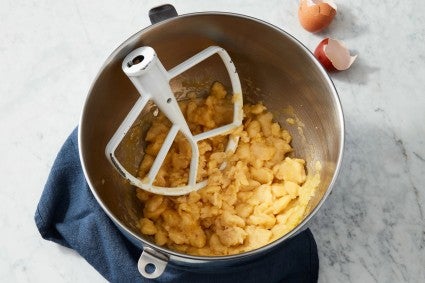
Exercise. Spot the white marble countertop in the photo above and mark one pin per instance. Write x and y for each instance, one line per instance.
(372, 227)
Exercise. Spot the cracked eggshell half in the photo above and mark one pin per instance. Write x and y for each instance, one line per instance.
(334, 55)
(315, 15)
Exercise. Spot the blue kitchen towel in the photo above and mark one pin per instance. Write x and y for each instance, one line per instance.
(69, 215)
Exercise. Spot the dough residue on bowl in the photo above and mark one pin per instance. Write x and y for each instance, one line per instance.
(261, 195)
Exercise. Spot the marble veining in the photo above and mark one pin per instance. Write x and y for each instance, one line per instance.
(372, 227)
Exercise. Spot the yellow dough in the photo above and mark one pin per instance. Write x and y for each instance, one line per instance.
(260, 196)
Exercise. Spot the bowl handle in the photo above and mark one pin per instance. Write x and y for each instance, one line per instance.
(161, 13)
(151, 263)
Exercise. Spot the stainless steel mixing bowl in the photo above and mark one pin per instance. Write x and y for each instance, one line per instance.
(274, 68)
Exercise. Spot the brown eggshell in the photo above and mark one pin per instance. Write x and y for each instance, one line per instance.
(334, 55)
(315, 15)
(320, 54)
(339, 54)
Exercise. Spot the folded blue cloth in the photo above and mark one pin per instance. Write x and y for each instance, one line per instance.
(69, 215)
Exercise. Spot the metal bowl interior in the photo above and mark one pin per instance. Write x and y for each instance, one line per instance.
(273, 67)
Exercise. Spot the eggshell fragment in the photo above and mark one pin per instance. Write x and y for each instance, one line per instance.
(315, 15)
(319, 53)
(334, 55)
